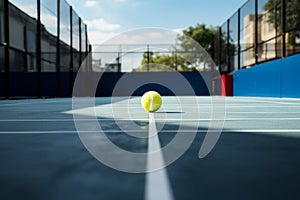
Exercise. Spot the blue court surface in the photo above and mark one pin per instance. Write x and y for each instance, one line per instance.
(256, 157)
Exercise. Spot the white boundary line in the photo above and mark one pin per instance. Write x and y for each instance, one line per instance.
(162, 119)
(35, 101)
(202, 105)
(163, 131)
(157, 182)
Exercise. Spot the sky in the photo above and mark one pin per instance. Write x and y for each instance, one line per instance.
(107, 18)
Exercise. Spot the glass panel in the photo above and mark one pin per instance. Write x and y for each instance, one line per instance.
(48, 66)
(83, 42)
(269, 19)
(65, 22)
(269, 29)
(48, 53)
(217, 49)
(49, 34)
(83, 38)
(1, 22)
(292, 42)
(17, 21)
(267, 50)
(65, 35)
(292, 27)
(248, 25)
(31, 49)
(75, 26)
(49, 16)
(247, 33)
(233, 32)
(248, 57)
(27, 6)
(17, 61)
(224, 57)
(293, 16)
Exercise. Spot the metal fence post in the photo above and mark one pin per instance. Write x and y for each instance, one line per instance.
(58, 51)
(80, 42)
(71, 70)
(86, 49)
(86, 40)
(283, 27)
(220, 49)
(148, 58)
(6, 49)
(239, 39)
(256, 32)
(228, 45)
(38, 50)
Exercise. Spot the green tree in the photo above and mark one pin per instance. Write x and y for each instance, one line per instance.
(163, 62)
(201, 34)
(292, 17)
(187, 56)
(197, 54)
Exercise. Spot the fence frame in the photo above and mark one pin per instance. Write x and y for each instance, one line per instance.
(38, 52)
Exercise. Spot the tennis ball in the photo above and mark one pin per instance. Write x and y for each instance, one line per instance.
(151, 101)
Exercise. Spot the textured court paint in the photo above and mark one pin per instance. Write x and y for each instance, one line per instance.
(278, 78)
(245, 164)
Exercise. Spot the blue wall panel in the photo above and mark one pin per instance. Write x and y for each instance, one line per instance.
(167, 83)
(291, 77)
(278, 78)
(263, 80)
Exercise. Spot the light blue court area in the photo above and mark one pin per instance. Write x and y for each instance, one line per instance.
(61, 149)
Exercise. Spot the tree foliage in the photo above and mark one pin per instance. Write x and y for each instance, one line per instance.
(201, 34)
(292, 17)
(163, 62)
(187, 56)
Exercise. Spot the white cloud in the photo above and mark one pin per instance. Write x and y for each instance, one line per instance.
(98, 37)
(178, 30)
(120, 1)
(100, 30)
(101, 24)
(50, 22)
(90, 3)
(147, 36)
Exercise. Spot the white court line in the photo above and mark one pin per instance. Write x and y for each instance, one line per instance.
(157, 182)
(163, 131)
(262, 99)
(43, 101)
(158, 119)
(126, 106)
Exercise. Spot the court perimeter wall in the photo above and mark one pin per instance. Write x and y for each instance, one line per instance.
(25, 84)
(278, 78)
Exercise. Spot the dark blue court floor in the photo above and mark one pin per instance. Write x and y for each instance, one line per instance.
(256, 157)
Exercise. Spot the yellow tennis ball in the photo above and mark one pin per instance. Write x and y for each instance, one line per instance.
(151, 101)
